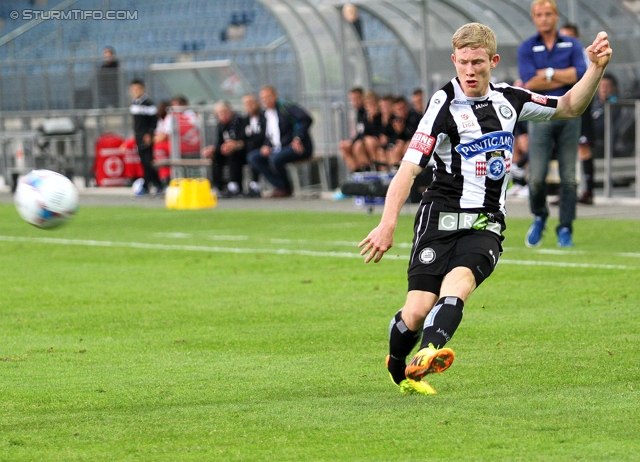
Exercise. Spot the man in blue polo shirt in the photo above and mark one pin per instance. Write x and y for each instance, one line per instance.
(549, 64)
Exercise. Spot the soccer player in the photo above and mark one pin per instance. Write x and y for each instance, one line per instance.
(144, 125)
(468, 129)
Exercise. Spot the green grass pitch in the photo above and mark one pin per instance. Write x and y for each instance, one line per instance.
(153, 335)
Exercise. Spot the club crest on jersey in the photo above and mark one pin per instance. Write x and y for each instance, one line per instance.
(427, 256)
(494, 141)
(495, 168)
(505, 111)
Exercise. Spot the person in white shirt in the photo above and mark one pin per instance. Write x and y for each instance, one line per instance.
(287, 140)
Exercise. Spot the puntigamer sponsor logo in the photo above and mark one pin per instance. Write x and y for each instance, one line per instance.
(495, 141)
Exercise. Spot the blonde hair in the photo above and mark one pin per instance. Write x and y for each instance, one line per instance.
(370, 95)
(475, 35)
(552, 3)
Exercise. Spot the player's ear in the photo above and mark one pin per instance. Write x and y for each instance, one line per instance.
(495, 60)
(453, 58)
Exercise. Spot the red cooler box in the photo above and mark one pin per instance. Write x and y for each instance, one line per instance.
(108, 166)
(132, 166)
(161, 151)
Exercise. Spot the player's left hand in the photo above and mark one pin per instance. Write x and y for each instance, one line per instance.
(379, 240)
(297, 146)
(600, 51)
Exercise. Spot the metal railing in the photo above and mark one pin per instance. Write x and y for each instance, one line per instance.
(621, 162)
(92, 123)
(620, 165)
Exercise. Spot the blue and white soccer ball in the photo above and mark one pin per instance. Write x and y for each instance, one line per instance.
(46, 199)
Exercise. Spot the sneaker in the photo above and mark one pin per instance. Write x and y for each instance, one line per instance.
(564, 237)
(516, 190)
(411, 387)
(226, 194)
(395, 369)
(138, 186)
(339, 195)
(253, 193)
(534, 235)
(429, 360)
(141, 192)
(586, 199)
(523, 191)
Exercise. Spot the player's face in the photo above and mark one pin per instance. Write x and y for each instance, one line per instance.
(224, 115)
(371, 105)
(386, 107)
(417, 101)
(251, 105)
(544, 18)
(136, 91)
(268, 98)
(473, 67)
(356, 99)
(605, 89)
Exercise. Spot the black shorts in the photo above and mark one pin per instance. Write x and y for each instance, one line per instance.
(446, 239)
(586, 130)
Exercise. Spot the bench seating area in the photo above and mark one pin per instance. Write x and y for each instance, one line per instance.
(301, 173)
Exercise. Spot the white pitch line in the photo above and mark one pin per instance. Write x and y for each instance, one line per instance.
(564, 264)
(229, 238)
(172, 235)
(308, 253)
(401, 245)
(560, 252)
(191, 248)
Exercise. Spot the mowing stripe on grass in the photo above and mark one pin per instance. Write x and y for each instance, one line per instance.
(308, 253)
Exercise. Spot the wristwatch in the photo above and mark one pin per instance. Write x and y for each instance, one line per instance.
(548, 73)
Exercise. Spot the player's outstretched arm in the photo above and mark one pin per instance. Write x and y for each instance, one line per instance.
(380, 239)
(575, 101)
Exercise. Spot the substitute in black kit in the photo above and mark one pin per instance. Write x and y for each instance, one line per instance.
(144, 125)
(468, 130)
(228, 150)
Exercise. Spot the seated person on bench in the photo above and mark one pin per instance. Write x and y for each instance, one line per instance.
(228, 150)
(287, 140)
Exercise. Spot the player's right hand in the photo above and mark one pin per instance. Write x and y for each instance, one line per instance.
(376, 244)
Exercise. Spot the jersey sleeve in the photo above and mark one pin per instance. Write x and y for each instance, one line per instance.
(427, 136)
(536, 107)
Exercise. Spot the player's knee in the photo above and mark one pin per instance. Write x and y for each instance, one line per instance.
(416, 307)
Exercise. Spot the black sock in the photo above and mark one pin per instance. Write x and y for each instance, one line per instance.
(401, 342)
(524, 158)
(587, 170)
(442, 322)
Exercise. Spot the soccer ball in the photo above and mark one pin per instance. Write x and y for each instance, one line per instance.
(46, 199)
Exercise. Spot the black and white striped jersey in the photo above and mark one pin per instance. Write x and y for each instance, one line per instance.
(472, 140)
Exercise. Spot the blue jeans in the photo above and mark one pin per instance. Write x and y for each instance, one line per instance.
(543, 137)
(274, 167)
